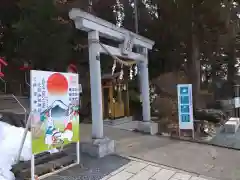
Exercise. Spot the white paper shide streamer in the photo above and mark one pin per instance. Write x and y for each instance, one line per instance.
(135, 70)
(121, 73)
(131, 73)
(114, 67)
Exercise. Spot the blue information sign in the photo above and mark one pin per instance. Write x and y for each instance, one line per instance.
(185, 109)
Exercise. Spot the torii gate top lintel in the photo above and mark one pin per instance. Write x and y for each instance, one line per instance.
(87, 22)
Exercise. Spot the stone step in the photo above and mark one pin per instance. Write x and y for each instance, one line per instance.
(46, 163)
(8, 102)
(9, 96)
(232, 125)
(235, 119)
(14, 119)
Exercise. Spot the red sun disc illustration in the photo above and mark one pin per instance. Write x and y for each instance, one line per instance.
(57, 84)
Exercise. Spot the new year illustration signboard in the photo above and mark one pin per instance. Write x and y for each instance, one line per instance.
(55, 105)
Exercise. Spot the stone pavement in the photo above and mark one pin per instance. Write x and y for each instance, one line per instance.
(116, 167)
(210, 161)
(143, 170)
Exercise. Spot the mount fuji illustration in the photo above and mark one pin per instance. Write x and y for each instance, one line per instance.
(57, 109)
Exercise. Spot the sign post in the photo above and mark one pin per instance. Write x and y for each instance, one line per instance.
(185, 108)
(55, 98)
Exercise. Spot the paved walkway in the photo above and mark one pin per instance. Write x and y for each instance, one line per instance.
(116, 167)
(210, 161)
(143, 170)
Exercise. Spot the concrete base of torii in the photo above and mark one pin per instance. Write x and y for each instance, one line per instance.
(148, 127)
(98, 147)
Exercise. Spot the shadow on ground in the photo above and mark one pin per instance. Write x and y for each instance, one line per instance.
(93, 169)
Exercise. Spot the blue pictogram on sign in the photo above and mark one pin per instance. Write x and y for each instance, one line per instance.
(185, 109)
(185, 118)
(184, 99)
(183, 90)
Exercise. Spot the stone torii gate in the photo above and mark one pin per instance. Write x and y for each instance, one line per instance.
(96, 27)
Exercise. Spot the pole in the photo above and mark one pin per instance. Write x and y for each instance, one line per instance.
(24, 137)
(136, 15)
(78, 152)
(33, 168)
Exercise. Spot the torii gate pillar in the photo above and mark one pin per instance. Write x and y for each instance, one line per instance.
(96, 86)
(100, 145)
